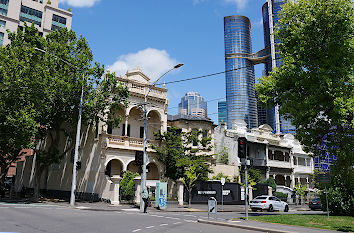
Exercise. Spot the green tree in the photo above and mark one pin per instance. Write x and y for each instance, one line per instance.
(176, 151)
(52, 84)
(314, 84)
(300, 190)
(255, 174)
(127, 185)
(270, 182)
(221, 175)
(222, 155)
(191, 175)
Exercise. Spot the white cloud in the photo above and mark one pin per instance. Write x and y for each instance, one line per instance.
(152, 62)
(259, 23)
(79, 3)
(241, 4)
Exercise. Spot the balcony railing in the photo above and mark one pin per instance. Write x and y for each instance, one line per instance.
(280, 164)
(125, 142)
(303, 169)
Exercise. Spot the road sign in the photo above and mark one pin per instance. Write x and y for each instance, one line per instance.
(212, 206)
(324, 178)
(222, 180)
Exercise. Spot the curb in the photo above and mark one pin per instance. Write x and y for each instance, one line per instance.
(226, 224)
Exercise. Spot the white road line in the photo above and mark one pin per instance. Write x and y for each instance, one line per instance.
(153, 215)
(149, 227)
(188, 220)
(136, 230)
(176, 218)
(169, 217)
(177, 222)
(133, 210)
(164, 224)
(188, 215)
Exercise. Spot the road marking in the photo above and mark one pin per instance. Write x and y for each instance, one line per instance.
(164, 224)
(149, 227)
(187, 220)
(134, 210)
(235, 221)
(176, 218)
(177, 223)
(136, 230)
(188, 215)
(153, 215)
(169, 217)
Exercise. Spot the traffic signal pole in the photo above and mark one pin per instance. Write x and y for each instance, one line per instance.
(246, 185)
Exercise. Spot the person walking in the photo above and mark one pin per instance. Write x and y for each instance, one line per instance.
(145, 196)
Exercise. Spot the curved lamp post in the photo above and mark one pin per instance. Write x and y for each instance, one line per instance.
(143, 175)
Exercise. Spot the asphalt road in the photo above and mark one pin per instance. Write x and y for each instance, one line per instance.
(35, 218)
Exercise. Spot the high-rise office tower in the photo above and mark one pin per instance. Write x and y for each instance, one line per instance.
(193, 104)
(270, 12)
(45, 15)
(222, 113)
(240, 79)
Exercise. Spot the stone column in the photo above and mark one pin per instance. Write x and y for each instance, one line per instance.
(292, 181)
(116, 180)
(137, 189)
(180, 192)
(267, 172)
(270, 191)
(250, 193)
(126, 125)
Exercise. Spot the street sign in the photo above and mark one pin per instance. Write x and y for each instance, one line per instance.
(222, 180)
(212, 206)
(324, 178)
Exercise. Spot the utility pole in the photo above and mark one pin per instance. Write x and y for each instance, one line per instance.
(145, 112)
(76, 155)
(78, 129)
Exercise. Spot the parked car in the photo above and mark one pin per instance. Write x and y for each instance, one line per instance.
(315, 204)
(269, 203)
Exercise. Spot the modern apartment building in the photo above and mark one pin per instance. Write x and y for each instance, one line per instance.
(241, 101)
(270, 13)
(241, 98)
(193, 104)
(44, 14)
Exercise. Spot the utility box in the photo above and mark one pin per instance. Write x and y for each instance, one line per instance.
(161, 195)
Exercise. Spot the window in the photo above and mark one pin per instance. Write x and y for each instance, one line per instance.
(3, 7)
(2, 24)
(141, 132)
(59, 19)
(1, 38)
(31, 15)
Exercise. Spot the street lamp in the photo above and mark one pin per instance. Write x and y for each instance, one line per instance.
(78, 129)
(143, 175)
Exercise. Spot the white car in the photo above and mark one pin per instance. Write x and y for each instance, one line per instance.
(269, 203)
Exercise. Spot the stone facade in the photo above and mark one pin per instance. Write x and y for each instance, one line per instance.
(105, 153)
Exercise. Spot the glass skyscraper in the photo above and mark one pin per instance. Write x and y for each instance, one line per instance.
(193, 104)
(240, 79)
(285, 125)
(222, 113)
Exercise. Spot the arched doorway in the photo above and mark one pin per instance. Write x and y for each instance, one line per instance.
(154, 124)
(153, 172)
(132, 167)
(114, 168)
(136, 123)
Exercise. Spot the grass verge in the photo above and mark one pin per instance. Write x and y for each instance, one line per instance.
(338, 223)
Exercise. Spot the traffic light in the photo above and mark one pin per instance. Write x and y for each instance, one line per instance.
(242, 144)
(139, 157)
(78, 165)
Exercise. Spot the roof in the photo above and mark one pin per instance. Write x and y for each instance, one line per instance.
(188, 118)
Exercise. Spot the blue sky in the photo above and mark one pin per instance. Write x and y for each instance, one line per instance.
(157, 34)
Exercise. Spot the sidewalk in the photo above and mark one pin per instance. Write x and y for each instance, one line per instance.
(264, 227)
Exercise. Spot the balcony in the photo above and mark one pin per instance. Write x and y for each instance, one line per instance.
(303, 169)
(156, 92)
(279, 164)
(126, 143)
